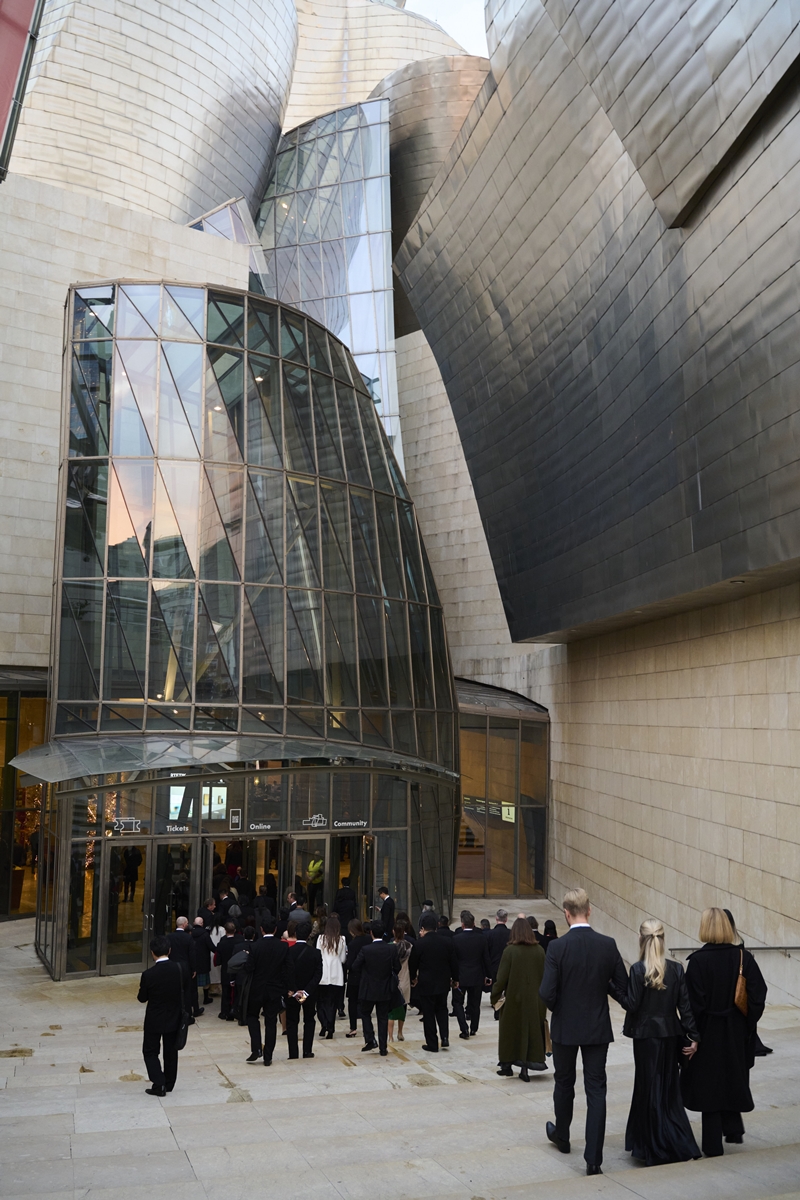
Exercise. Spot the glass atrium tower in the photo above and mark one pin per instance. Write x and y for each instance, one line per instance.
(250, 666)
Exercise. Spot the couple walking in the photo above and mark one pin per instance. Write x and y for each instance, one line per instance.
(583, 968)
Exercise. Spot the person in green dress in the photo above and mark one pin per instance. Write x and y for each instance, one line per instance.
(522, 1016)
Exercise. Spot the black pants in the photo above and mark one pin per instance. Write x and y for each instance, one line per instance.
(719, 1124)
(382, 1010)
(565, 1060)
(294, 1011)
(329, 997)
(129, 889)
(434, 1015)
(270, 1006)
(469, 998)
(352, 1009)
(151, 1047)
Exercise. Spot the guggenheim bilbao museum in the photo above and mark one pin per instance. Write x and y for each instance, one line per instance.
(400, 463)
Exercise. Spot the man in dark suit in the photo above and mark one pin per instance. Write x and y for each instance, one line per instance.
(498, 940)
(432, 967)
(345, 905)
(472, 971)
(268, 966)
(226, 948)
(378, 965)
(161, 989)
(387, 913)
(580, 971)
(305, 966)
(444, 927)
(182, 951)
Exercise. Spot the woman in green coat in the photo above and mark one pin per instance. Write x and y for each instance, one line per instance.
(523, 1013)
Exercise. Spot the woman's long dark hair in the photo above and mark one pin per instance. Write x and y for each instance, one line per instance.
(332, 934)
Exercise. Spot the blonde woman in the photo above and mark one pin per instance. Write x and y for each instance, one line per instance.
(659, 1019)
(716, 1082)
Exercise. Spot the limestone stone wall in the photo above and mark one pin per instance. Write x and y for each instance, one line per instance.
(51, 238)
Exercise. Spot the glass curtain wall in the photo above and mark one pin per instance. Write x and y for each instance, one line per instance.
(23, 725)
(325, 225)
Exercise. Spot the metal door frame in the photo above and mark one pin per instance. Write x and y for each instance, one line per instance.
(109, 845)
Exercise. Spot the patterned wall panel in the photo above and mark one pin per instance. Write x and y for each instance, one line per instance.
(625, 393)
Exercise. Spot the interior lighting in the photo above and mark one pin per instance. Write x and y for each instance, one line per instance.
(217, 408)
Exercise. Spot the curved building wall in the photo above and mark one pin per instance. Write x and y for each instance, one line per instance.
(169, 112)
(624, 392)
(346, 47)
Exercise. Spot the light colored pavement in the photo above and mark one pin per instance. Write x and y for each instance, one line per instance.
(75, 1121)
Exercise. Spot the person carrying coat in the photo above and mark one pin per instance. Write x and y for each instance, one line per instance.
(658, 1129)
(519, 977)
(716, 1082)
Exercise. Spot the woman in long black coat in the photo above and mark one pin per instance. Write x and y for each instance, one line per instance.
(658, 1129)
(717, 1080)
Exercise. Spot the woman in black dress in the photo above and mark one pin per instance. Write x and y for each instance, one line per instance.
(717, 1080)
(658, 1129)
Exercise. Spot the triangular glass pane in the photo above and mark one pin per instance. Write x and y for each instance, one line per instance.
(125, 641)
(293, 337)
(354, 453)
(264, 439)
(264, 534)
(262, 657)
(217, 675)
(224, 426)
(376, 728)
(335, 536)
(373, 440)
(302, 534)
(124, 551)
(90, 400)
(339, 361)
(220, 222)
(298, 420)
(171, 641)
(175, 549)
(400, 695)
(415, 589)
(328, 167)
(285, 171)
(318, 355)
(262, 327)
(331, 230)
(388, 538)
(80, 639)
(365, 543)
(344, 726)
(421, 662)
(330, 455)
(174, 322)
(355, 373)
(93, 313)
(136, 481)
(128, 432)
(220, 523)
(371, 654)
(192, 303)
(139, 369)
(307, 165)
(303, 647)
(341, 657)
(305, 722)
(239, 233)
(225, 319)
(85, 520)
(349, 155)
(186, 367)
(137, 310)
(175, 439)
(430, 583)
(441, 667)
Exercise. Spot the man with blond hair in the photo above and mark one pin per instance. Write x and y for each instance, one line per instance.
(581, 970)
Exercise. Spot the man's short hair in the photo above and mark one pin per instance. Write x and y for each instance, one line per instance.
(182, 923)
(485, 924)
(383, 891)
(376, 927)
(576, 902)
(467, 919)
(223, 890)
(346, 881)
(444, 922)
(428, 921)
(290, 896)
(501, 915)
(159, 946)
(209, 902)
(230, 927)
(268, 923)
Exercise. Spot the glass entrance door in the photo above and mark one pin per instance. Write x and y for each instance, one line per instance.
(171, 893)
(126, 924)
(353, 858)
(310, 871)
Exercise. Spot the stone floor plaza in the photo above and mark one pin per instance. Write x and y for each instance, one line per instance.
(75, 1120)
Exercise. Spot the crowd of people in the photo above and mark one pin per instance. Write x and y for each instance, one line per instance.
(694, 1032)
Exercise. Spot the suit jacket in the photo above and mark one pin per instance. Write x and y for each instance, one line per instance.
(498, 940)
(387, 916)
(378, 964)
(161, 989)
(182, 951)
(268, 964)
(203, 949)
(226, 948)
(305, 967)
(353, 950)
(472, 958)
(433, 964)
(345, 906)
(445, 931)
(581, 970)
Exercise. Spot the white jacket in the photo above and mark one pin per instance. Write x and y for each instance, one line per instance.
(332, 972)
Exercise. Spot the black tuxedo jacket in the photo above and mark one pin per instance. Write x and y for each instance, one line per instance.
(498, 940)
(161, 989)
(580, 971)
(226, 948)
(305, 967)
(387, 916)
(345, 906)
(182, 951)
(353, 950)
(433, 964)
(445, 931)
(377, 964)
(472, 957)
(268, 963)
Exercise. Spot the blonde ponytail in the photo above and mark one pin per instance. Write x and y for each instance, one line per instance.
(652, 954)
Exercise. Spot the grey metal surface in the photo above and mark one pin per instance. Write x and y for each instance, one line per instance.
(483, 695)
(626, 393)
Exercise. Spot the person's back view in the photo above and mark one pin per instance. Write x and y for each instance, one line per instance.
(581, 969)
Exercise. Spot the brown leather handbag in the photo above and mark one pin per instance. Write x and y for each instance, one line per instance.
(740, 998)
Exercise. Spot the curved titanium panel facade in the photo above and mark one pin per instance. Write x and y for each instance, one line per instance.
(626, 393)
(170, 112)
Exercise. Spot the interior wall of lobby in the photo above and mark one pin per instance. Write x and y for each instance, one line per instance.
(608, 402)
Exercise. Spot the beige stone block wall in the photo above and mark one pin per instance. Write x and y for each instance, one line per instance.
(50, 239)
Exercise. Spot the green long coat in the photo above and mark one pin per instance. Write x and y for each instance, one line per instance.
(522, 1016)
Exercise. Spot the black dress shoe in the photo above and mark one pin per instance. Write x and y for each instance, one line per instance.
(369, 1046)
(735, 1140)
(155, 1091)
(384, 1053)
(267, 1062)
(431, 1049)
(445, 1044)
(524, 1076)
(254, 1057)
(464, 1036)
(329, 1036)
(308, 1056)
(550, 1130)
(506, 1071)
(199, 1012)
(592, 1170)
